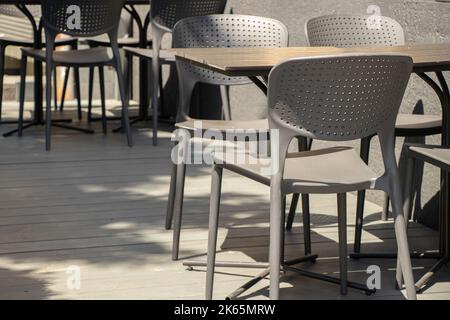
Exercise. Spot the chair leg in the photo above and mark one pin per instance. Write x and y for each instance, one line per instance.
(55, 89)
(77, 89)
(306, 224)
(385, 212)
(292, 208)
(178, 208)
(124, 100)
(102, 97)
(129, 75)
(216, 186)
(171, 201)
(2, 74)
(63, 95)
(90, 92)
(342, 226)
(364, 153)
(156, 68)
(404, 268)
(408, 189)
(48, 107)
(161, 91)
(276, 201)
(226, 108)
(304, 144)
(23, 71)
(305, 216)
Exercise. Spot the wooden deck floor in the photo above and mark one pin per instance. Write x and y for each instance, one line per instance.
(93, 203)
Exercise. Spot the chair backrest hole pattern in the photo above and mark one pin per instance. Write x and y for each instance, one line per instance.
(226, 31)
(96, 16)
(354, 31)
(338, 98)
(167, 13)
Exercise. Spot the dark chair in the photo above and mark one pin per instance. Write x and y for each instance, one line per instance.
(13, 41)
(127, 40)
(164, 14)
(95, 17)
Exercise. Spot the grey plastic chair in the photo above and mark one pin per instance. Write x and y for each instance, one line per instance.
(227, 30)
(361, 31)
(335, 98)
(96, 17)
(11, 41)
(438, 156)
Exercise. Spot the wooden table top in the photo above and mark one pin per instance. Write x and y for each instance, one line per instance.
(259, 61)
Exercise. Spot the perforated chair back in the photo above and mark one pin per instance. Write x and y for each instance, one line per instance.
(353, 31)
(338, 98)
(81, 18)
(166, 13)
(225, 31)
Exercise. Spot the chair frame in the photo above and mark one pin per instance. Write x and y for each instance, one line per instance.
(52, 29)
(412, 159)
(188, 77)
(6, 42)
(291, 127)
(364, 39)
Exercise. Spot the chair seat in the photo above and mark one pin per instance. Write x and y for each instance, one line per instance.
(88, 57)
(417, 121)
(436, 155)
(122, 42)
(18, 42)
(222, 126)
(329, 170)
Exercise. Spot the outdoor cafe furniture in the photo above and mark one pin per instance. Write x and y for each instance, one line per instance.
(38, 116)
(97, 17)
(164, 14)
(318, 98)
(366, 31)
(225, 30)
(9, 41)
(440, 157)
(129, 39)
(256, 63)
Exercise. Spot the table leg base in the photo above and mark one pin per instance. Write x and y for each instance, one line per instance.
(147, 119)
(65, 126)
(56, 123)
(285, 267)
(322, 277)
